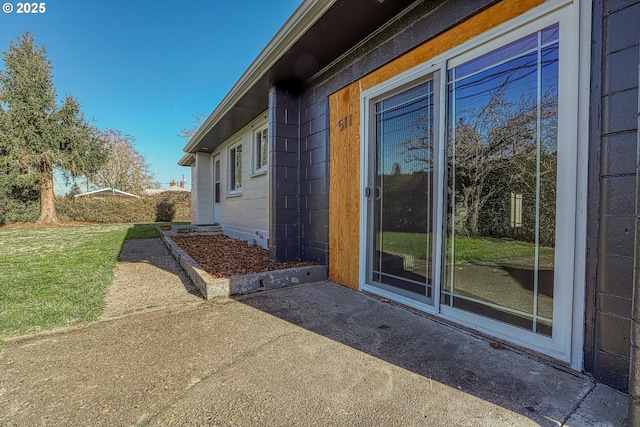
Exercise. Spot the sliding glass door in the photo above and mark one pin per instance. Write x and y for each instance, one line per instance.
(469, 182)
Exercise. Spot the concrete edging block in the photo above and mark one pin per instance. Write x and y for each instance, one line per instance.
(211, 287)
(208, 286)
(249, 283)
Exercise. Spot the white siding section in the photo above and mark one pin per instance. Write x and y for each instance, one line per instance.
(194, 195)
(203, 183)
(245, 215)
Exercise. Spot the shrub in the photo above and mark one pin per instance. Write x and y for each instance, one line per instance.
(165, 206)
(16, 210)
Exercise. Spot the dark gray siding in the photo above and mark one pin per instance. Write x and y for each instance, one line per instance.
(284, 171)
(314, 181)
(612, 189)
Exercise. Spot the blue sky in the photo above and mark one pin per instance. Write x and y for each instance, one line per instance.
(146, 66)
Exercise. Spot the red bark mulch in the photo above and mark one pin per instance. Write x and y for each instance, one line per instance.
(222, 256)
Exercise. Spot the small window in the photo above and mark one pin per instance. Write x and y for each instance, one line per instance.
(261, 150)
(216, 181)
(235, 168)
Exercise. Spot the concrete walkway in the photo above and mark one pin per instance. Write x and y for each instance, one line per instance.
(315, 354)
(146, 278)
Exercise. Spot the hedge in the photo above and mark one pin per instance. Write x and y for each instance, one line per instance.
(12, 210)
(159, 208)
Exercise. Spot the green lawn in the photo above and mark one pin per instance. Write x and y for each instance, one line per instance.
(57, 276)
(468, 249)
(416, 244)
(144, 231)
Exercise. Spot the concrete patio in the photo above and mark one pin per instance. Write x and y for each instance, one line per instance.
(313, 354)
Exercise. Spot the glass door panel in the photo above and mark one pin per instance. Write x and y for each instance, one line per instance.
(401, 198)
(501, 163)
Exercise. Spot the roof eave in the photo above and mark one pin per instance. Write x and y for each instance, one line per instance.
(300, 21)
(187, 160)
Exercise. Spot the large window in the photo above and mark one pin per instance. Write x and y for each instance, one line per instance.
(235, 168)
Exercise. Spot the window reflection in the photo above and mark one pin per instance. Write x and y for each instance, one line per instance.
(402, 223)
(502, 157)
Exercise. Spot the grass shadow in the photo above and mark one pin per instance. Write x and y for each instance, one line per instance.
(136, 250)
(148, 230)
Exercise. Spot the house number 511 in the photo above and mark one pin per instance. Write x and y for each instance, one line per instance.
(343, 123)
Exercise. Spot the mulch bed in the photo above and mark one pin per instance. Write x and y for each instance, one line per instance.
(222, 256)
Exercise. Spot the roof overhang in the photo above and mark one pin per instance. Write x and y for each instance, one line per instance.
(316, 34)
(187, 160)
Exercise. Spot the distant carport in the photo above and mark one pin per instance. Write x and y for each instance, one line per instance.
(107, 192)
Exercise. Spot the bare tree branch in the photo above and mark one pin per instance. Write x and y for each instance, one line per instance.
(187, 132)
(126, 169)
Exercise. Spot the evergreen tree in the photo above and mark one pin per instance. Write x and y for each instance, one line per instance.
(74, 190)
(36, 134)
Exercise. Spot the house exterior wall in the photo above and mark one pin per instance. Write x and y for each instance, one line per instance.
(612, 165)
(314, 180)
(203, 182)
(612, 189)
(284, 160)
(344, 238)
(245, 214)
(424, 21)
(194, 194)
(308, 203)
(634, 371)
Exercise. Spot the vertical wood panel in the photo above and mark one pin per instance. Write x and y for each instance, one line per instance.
(342, 267)
(335, 147)
(344, 186)
(354, 186)
(338, 151)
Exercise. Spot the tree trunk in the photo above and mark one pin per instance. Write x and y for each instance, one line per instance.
(474, 215)
(461, 220)
(47, 199)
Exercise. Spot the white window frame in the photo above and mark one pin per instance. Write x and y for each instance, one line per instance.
(235, 187)
(260, 164)
(568, 312)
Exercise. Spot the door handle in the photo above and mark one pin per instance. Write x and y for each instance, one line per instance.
(375, 192)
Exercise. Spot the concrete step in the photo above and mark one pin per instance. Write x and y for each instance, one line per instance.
(197, 229)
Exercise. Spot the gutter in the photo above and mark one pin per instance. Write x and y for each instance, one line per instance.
(296, 26)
